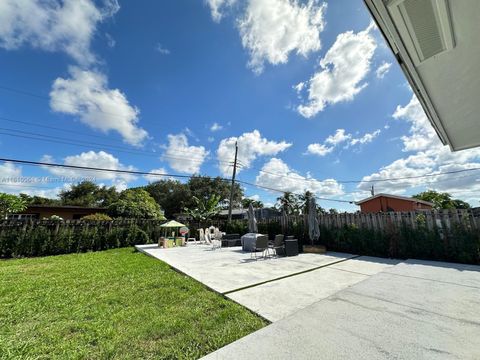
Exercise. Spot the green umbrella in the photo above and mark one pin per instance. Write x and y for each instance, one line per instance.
(172, 224)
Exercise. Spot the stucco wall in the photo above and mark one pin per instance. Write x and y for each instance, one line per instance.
(391, 204)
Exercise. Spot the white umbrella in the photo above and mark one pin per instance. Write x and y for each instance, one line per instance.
(284, 222)
(313, 226)
(252, 222)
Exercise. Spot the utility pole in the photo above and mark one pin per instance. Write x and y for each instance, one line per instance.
(233, 184)
(372, 191)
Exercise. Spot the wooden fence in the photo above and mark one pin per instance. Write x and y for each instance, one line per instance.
(442, 220)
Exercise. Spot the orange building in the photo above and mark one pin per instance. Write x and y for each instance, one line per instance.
(386, 202)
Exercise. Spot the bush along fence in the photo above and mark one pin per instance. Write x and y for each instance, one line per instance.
(448, 235)
(46, 237)
(445, 235)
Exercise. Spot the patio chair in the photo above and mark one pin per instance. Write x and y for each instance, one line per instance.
(261, 244)
(201, 236)
(277, 244)
(290, 237)
(207, 238)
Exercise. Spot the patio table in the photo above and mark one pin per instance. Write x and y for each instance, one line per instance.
(249, 240)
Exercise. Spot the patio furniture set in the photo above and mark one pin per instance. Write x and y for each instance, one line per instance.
(281, 245)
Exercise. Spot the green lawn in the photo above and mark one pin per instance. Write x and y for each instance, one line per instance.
(111, 304)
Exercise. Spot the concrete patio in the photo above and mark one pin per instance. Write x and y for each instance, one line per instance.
(414, 310)
(298, 281)
(341, 306)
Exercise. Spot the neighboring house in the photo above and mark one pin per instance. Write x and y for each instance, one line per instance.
(66, 212)
(386, 202)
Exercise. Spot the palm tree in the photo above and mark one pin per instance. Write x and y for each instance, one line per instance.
(288, 202)
(204, 209)
(305, 200)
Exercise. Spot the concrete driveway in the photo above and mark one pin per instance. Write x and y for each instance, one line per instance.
(414, 310)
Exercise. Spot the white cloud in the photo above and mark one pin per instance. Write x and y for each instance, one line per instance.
(100, 159)
(210, 139)
(250, 146)
(383, 69)
(110, 40)
(319, 149)
(277, 175)
(343, 69)
(162, 50)
(87, 95)
(216, 127)
(216, 7)
(13, 182)
(272, 29)
(9, 170)
(422, 135)
(365, 139)
(428, 156)
(153, 178)
(182, 157)
(340, 137)
(52, 25)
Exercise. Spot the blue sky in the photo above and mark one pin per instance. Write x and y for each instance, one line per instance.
(308, 88)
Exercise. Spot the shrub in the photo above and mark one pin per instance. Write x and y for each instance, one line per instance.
(96, 217)
(53, 237)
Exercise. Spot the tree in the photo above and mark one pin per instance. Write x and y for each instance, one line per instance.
(11, 204)
(290, 203)
(203, 187)
(204, 209)
(172, 195)
(87, 193)
(333, 211)
(39, 200)
(135, 204)
(441, 200)
(304, 200)
(255, 203)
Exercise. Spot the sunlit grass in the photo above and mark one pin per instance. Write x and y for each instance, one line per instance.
(111, 304)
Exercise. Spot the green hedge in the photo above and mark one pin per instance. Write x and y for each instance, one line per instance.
(459, 245)
(47, 238)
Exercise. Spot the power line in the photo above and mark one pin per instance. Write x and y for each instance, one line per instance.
(135, 172)
(43, 97)
(99, 146)
(282, 191)
(372, 181)
(43, 126)
(89, 168)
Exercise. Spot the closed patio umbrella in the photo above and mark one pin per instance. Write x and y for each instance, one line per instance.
(284, 222)
(313, 226)
(252, 222)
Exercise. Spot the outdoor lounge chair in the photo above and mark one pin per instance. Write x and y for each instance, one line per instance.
(210, 239)
(278, 245)
(261, 244)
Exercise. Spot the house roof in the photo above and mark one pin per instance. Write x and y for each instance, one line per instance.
(436, 45)
(394, 197)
